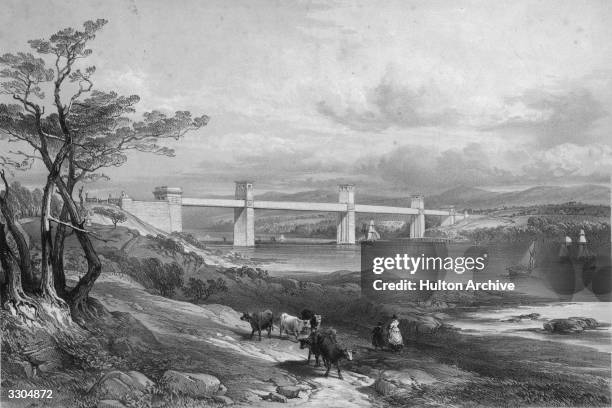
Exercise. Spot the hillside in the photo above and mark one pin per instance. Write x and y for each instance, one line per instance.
(472, 197)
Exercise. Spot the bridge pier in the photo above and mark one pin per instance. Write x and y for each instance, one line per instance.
(345, 232)
(451, 219)
(244, 217)
(417, 224)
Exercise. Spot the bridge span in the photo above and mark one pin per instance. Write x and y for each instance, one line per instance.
(166, 211)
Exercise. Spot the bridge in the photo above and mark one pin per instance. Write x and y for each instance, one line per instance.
(166, 211)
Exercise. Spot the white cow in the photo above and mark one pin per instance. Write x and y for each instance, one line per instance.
(292, 325)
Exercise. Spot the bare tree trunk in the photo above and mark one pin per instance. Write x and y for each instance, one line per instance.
(77, 297)
(57, 255)
(47, 285)
(13, 290)
(20, 237)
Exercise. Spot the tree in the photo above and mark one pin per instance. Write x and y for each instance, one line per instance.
(165, 277)
(115, 216)
(85, 131)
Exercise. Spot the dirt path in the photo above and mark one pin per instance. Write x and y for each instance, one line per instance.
(212, 339)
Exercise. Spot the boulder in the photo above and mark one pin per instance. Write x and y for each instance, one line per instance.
(197, 385)
(384, 387)
(570, 325)
(222, 389)
(419, 324)
(222, 399)
(531, 316)
(115, 385)
(274, 397)
(18, 368)
(289, 391)
(110, 404)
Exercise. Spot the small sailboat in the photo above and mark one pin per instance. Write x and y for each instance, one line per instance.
(526, 264)
(282, 238)
(372, 234)
(564, 249)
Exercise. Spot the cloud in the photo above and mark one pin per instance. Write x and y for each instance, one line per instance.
(553, 117)
(412, 166)
(570, 161)
(418, 166)
(392, 102)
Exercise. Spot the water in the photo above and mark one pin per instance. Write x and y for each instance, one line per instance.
(490, 322)
(324, 256)
(279, 259)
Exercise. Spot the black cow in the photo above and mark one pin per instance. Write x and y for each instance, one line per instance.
(259, 321)
(313, 343)
(332, 353)
(315, 319)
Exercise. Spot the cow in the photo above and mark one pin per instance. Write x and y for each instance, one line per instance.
(315, 319)
(332, 353)
(292, 324)
(259, 321)
(313, 342)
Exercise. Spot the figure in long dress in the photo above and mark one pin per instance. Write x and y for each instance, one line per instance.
(396, 342)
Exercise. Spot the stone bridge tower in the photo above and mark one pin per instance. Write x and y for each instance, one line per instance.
(346, 220)
(244, 217)
(174, 197)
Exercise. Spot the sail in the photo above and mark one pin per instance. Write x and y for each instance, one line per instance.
(528, 259)
(373, 235)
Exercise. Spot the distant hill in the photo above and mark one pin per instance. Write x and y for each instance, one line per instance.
(476, 198)
(471, 197)
(461, 197)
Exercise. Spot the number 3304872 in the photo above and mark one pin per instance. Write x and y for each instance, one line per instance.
(30, 394)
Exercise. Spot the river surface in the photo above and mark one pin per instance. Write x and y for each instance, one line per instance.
(294, 256)
(492, 322)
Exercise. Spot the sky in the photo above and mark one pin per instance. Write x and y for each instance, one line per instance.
(394, 96)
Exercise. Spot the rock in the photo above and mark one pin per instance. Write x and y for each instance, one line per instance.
(531, 316)
(289, 391)
(222, 399)
(115, 385)
(197, 385)
(570, 325)
(384, 387)
(222, 389)
(49, 366)
(19, 368)
(274, 397)
(110, 404)
(419, 324)
(140, 379)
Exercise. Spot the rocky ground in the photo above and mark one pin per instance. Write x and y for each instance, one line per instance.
(151, 351)
(167, 353)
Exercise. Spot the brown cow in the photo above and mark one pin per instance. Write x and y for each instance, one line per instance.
(259, 321)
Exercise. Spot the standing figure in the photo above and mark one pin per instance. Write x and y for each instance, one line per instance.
(378, 340)
(395, 336)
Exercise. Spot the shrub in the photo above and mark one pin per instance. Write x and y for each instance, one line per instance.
(197, 290)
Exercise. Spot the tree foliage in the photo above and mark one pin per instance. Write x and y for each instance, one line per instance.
(52, 112)
(115, 216)
(166, 277)
(27, 203)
